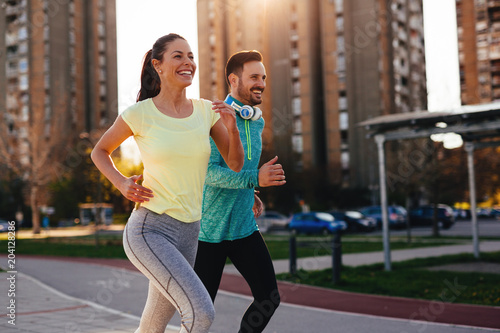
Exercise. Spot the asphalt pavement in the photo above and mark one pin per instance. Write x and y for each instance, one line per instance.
(62, 294)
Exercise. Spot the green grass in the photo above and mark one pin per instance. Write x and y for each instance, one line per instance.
(412, 279)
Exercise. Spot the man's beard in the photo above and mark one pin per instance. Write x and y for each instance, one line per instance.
(247, 94)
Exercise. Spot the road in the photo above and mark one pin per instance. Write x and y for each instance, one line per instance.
(125, 291)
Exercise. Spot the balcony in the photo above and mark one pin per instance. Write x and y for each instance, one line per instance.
(11, 39)
(12, 72)
(495, 51)
(12, 10)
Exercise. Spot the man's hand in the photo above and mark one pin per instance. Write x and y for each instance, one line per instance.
(258, 206)
(271, 174)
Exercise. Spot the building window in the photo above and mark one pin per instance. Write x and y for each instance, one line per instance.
(339, 6)
(296, 88)
(342, 103)
(23, 65)
(296, 106)
(100, 29)
(341, 62)
(46, 33)
(102, 74)
(24, 113)
(340, 24)
(298, 144)
(343, 121)
(23, 82)
(102, 90)
(344, 160)
(297, 126)
(22, 34)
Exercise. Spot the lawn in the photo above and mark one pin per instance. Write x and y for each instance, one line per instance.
(412, 279)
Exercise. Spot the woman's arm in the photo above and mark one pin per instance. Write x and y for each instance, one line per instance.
(101, 156)
(227, 137)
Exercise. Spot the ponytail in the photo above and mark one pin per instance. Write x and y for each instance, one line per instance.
(150, 81)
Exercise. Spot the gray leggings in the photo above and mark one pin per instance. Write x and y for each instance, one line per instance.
(164, 249)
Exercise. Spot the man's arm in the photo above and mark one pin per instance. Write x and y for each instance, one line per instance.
(269, 174)
(221, 176)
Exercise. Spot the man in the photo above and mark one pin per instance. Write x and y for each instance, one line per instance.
(230, 205)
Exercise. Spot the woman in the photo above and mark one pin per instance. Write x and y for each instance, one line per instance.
(172, 133)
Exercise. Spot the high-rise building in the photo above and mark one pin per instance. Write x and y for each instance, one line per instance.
(478, 29)
(331, 64)
(58, 80)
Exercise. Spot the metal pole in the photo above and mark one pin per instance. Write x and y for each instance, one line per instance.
(336, 257)
(293, 255)
(380, 140)
(469, 148)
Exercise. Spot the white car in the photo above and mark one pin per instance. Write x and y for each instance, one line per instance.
(272, 220)
(4, 226)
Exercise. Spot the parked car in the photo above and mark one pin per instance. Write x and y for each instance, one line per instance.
(396, 215)
(424, 215)
(272, 220)
(462, 214)
(316, 223)
(355, 220)
(4, 226)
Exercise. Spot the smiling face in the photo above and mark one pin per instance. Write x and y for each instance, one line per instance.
(177, 66)
(249, 86)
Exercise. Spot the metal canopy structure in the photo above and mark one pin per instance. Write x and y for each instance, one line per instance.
(478, 125)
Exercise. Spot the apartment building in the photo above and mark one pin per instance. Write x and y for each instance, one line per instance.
(58, 81)
(478, 29)
(331, 64)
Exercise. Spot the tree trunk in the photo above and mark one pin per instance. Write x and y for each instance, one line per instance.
(34, 207)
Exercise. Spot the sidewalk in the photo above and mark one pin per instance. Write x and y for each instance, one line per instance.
(41, 309)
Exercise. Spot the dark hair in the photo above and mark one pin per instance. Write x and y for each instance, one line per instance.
(150, 81)
(237, 60)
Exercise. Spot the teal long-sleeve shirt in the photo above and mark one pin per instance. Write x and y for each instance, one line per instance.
(228, 196)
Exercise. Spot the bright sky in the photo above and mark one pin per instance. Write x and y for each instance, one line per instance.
(140, 23)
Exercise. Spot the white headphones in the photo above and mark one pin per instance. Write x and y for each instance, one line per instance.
(246, 112)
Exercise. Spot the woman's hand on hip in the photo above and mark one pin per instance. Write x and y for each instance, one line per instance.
(133, 191)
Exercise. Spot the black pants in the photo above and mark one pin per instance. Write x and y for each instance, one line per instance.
(251, 257)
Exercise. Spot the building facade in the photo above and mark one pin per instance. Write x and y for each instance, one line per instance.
(331, 64)
(478, 29)
(58, 81)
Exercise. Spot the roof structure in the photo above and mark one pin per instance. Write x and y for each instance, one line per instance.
(472, 122)
(478, 125)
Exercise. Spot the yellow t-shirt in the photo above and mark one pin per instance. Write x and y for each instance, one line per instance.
(175, 154)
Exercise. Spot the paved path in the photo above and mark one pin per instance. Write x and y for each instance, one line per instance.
(119, 293)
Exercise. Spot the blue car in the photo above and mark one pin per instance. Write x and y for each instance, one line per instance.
(396, 215)
(315, 223)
